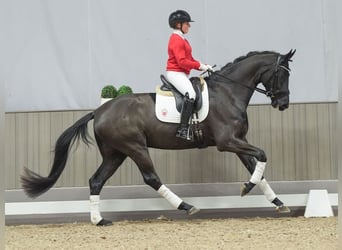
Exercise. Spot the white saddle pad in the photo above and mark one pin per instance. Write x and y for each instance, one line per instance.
(166, 110)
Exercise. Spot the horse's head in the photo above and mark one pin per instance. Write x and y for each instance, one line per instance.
(276, 81)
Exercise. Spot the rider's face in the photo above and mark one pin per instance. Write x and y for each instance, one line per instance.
(184, 27)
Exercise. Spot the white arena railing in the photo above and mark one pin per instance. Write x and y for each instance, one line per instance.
(216, 200)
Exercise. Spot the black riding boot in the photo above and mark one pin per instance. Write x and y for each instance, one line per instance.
(186, 113)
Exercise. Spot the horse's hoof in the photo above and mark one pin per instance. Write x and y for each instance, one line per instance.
(104, 222)
(283, 209)
(243, 189)
(193, 210)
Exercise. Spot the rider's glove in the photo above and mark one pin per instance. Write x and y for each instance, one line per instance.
(210, 68)
(205, 67)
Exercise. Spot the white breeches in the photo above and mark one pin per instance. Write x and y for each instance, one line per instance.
(182, 83)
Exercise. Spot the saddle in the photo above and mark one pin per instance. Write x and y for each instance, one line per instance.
(197, 84)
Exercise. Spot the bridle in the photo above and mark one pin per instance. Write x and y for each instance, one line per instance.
(269, 93)
(277, 93)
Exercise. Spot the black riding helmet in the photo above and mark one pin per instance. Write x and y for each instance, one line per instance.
(179, 16)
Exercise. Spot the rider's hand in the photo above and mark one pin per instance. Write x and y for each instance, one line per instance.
(205, 67)
(210, 68)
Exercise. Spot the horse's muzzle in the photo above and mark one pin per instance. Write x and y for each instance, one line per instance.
(283, 107)
(281, 103)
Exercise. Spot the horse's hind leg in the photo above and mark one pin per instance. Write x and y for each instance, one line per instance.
(142, 159)
(250, 164)
(109, 165)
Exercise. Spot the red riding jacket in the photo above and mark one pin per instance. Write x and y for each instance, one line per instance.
(180, 57)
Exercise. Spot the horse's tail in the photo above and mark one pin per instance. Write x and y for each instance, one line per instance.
(34, 184)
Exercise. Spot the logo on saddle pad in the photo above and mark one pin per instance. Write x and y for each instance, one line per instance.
(169, 103)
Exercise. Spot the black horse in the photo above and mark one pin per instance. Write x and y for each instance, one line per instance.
(127, 126)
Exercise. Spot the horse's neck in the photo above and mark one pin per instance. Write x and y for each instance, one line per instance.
(226, 93)
(244, 79)
(242, 85)
(248, 73)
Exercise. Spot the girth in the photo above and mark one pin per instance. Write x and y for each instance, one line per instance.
(179, 97)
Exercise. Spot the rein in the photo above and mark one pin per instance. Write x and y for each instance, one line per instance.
(268, 93)
(265, 92)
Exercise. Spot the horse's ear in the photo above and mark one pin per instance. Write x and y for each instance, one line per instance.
(289, 55)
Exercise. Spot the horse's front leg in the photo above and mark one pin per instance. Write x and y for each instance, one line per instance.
(240, 146)
(250, 164)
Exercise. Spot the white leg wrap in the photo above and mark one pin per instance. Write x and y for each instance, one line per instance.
(258, 172)
(267, 190)
(95, 216)
(173, 199)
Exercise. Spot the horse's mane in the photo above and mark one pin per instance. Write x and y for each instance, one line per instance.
(231, 65)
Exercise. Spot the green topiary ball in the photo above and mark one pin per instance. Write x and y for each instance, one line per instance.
(124, 90)
(109, 91)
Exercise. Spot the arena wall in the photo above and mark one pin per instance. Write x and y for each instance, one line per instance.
(299, 142)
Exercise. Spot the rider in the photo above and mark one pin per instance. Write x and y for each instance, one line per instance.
(179, 64)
